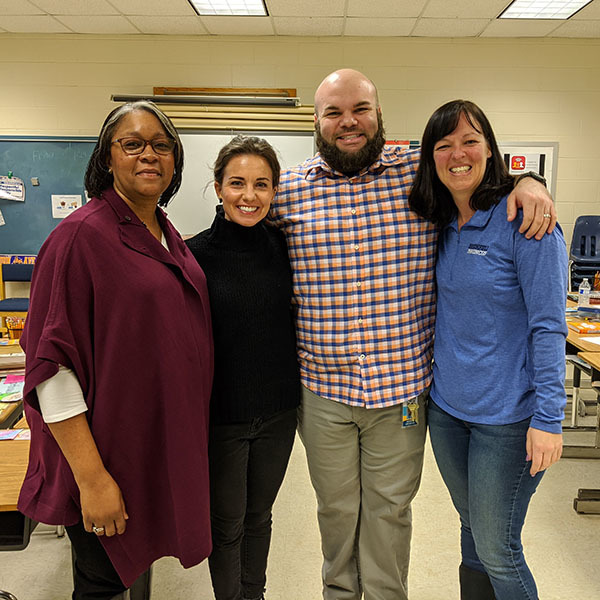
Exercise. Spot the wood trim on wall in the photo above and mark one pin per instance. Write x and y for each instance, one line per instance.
(225, 91)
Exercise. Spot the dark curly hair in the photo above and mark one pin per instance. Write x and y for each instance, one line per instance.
(97, 176)
(429, 197)
(241, 144)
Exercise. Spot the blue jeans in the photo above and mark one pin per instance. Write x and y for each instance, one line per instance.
(485, 471)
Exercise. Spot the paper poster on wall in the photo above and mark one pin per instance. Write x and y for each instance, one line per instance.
(406, 144)
(12, 188)
(521, 163)
(541, 157)
(21, 259)
(63, 205)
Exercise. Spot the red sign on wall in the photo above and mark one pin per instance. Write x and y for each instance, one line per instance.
(518, 163)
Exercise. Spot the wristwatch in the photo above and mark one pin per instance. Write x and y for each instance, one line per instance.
(533, 175)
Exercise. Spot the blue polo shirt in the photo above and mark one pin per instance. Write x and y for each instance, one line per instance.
(499, 354)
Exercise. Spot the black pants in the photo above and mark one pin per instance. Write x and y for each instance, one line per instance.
(247, 465)
(93, 573)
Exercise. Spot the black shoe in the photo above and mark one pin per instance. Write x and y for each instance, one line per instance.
(474, 585)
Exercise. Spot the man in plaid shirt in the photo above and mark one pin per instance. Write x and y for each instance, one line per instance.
(364, 290)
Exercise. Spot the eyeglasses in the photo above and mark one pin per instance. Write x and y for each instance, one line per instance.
(134, 145)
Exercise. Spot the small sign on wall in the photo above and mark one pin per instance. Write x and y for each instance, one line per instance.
(541, 157)
(63, 205)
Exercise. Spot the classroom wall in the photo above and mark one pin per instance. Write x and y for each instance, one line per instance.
(533, 90)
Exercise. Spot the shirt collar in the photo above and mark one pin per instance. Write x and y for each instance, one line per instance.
(478, 221)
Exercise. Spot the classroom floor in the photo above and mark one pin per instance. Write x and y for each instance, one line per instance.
(562, 547)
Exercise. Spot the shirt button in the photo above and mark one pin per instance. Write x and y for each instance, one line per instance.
(127, 218)
(358, 284)
(353, 211)
(362, 357)
(360, 320)
(356, 247)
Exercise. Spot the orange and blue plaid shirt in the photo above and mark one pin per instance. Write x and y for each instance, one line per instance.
(364, 289)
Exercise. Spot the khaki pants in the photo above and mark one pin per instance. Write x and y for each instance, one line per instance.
(365, 469)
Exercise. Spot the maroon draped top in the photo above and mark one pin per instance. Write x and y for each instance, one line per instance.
(132, 320)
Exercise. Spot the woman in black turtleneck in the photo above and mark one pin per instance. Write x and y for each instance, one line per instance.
(256, 388)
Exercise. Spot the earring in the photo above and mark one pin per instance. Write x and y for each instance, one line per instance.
(110, 170)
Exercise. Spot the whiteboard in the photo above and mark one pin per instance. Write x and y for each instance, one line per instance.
(193, 208)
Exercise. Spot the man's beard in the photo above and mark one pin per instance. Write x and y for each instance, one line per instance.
(352, 162)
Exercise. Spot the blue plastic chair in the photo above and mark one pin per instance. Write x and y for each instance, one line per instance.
(585, 244)
(584, 255)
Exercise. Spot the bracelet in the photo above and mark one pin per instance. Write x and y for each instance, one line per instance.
(533, 175)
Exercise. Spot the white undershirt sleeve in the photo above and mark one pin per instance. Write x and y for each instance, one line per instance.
(61, 396)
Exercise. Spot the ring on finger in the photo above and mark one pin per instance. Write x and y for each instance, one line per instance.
(98, 530)
(547, 215)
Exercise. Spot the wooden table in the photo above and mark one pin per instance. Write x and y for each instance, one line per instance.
(576, 344)
(593, 359)
(14, 455)
(10, 413)
(579, 348)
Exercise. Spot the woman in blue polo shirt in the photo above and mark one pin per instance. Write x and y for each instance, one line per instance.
(498, 396)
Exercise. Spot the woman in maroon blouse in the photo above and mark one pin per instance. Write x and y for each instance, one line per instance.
(119, 311)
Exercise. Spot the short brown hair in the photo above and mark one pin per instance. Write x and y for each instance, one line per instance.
(241, 144)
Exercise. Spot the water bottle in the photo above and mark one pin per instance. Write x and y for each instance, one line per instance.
(583, 298)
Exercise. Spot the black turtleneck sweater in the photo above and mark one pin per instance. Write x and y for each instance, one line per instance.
(250, 288)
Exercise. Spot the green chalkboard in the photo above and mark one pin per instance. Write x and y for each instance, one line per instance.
(59, 166)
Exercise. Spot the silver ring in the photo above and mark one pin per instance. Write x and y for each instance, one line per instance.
(97, 530)
(547, 215)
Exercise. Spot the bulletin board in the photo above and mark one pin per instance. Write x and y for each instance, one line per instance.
(57, 165)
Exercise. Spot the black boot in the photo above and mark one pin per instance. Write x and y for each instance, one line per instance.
(474, 585)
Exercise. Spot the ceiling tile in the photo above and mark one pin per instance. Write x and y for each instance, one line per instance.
(98, 24)
(466, 9)
(578, 29)
(385, 8)
(76, 7)
(154, 7)
(32, 24)
(169, 25)
(520, 28)
(449, 27)
(308, 26)
(375, 18)
(238, 25)
(314, 8)
(379, 27)
(18, 7)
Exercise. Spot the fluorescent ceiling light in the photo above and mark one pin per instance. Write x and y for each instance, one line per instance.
(543, 9)
(253, 8)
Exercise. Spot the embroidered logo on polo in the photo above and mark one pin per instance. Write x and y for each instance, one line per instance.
(478, 249)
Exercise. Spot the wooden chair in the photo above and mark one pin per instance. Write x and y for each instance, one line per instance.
(13, 307)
